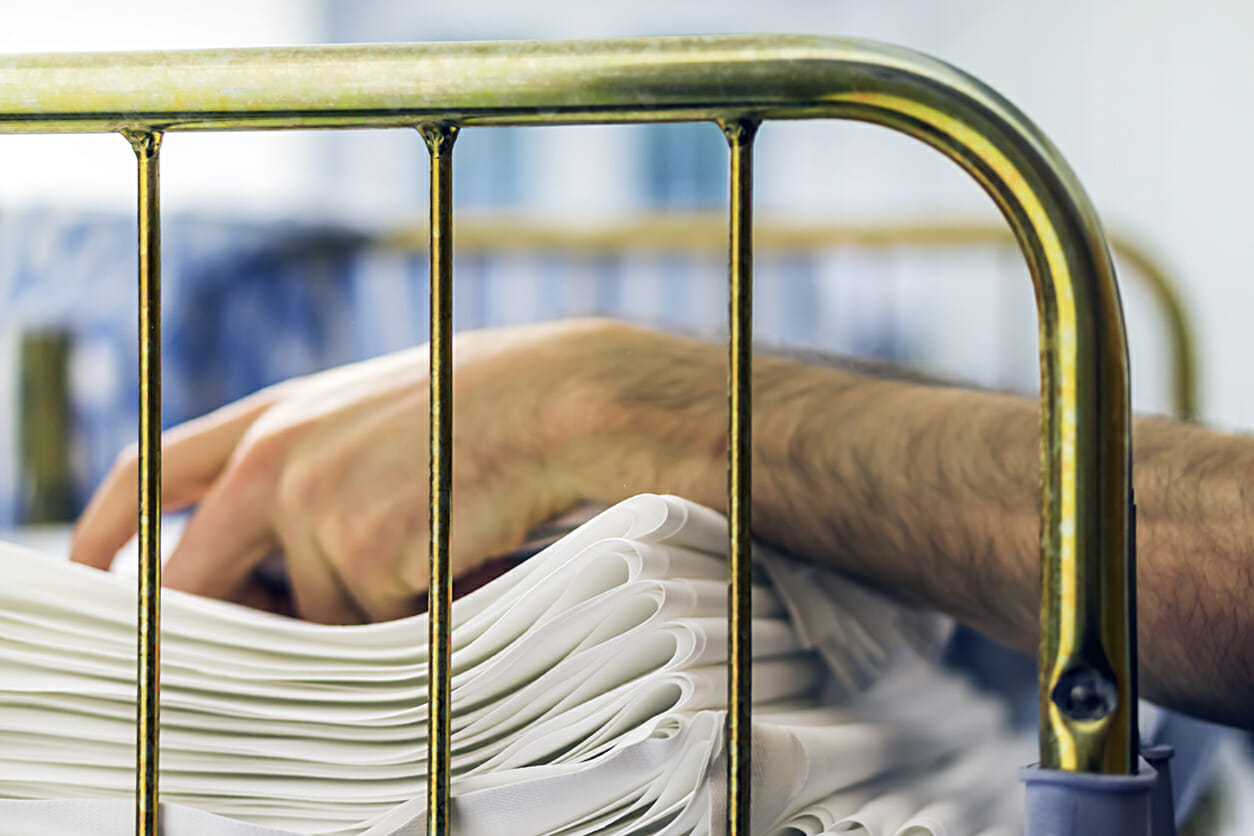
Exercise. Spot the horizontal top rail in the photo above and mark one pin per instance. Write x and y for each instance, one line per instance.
(474, 83)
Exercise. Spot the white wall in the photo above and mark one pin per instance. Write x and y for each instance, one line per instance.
(264, 172)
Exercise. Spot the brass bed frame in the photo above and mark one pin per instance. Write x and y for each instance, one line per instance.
(1087, 650)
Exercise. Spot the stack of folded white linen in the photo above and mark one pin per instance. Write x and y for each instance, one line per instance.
(589, 690)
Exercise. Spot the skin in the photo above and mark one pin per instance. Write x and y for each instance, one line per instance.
(927, 491)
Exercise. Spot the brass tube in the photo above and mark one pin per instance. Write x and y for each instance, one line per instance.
(740, 134)
(1087, 659)
(440, 138)
(148, 706)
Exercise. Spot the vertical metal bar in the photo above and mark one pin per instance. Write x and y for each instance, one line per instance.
(440, 138)
(1087, 655)
(739, 135)
(147, 145)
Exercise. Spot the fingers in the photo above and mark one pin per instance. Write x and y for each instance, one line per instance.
(230, 533)
(331, 470)
(317, 592)
(350, 505)
(193, 454)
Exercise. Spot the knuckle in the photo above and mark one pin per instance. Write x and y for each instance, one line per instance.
(346, 538)
(299, 491)
(258, 454)
(257, 470)
(262, 456)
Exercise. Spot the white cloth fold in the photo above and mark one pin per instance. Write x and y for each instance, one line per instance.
(588, 695)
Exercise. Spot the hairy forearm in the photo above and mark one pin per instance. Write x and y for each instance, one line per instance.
(925, 491)
(1196, 568)
(931, 493)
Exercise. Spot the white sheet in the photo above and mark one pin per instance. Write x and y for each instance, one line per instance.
(588, 687)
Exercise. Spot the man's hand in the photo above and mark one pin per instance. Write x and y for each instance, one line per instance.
(331, 469)
(930, 493)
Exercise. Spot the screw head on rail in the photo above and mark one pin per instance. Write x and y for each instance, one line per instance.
(1085, 694)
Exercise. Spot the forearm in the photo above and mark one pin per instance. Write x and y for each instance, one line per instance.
(931, 493)
(1195, 568)
(924, 491)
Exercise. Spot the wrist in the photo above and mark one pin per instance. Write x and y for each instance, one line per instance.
(640, 411)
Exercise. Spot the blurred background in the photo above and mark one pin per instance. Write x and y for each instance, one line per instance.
(289, 252)
(294, 251)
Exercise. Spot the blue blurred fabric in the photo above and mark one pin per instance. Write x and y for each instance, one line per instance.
(246, 304)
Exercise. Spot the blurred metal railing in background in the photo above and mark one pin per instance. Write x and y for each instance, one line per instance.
(705, 233)
(1087, 651)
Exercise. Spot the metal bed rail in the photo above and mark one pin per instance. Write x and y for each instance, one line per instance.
(1087, 656)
